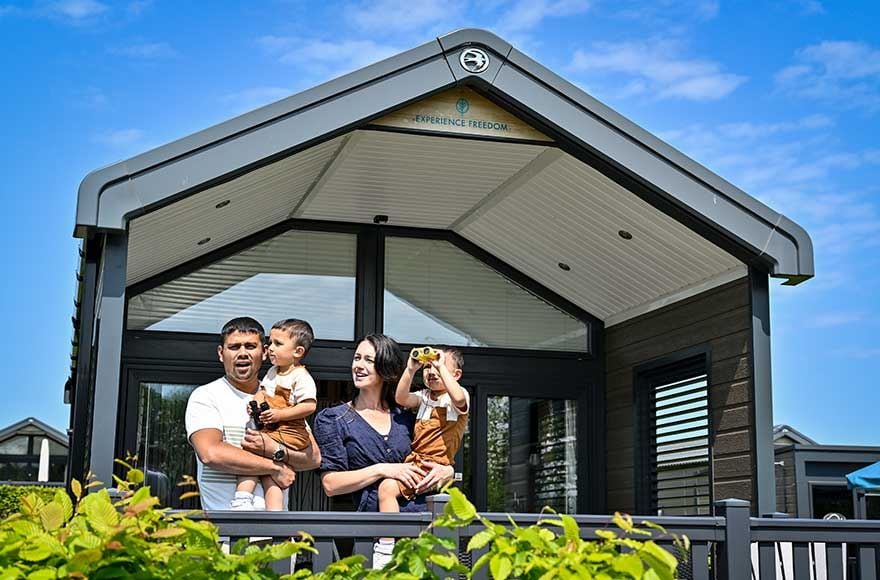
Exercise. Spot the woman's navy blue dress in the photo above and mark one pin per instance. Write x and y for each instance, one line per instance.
(348, 442)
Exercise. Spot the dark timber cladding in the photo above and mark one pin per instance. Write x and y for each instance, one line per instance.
(719, 319)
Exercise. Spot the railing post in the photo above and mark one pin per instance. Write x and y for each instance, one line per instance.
(735, 557)
(437, 505)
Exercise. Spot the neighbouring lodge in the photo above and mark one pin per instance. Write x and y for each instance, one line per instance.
(610, 294)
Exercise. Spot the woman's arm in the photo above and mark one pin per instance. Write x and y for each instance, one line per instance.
(340, 482)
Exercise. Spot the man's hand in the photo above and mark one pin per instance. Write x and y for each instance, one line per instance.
(283, 476)
(256, 442)
(438, 476)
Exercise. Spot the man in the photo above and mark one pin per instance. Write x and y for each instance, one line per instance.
(216, 419)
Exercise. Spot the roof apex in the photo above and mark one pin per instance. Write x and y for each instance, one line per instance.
(111, 196)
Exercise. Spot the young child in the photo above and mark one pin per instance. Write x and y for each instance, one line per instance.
(441, 421)
(290, 391)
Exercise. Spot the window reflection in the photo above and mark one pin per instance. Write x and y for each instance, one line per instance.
(308, 275)
(437, 293)
(532, 459)
(163, 451)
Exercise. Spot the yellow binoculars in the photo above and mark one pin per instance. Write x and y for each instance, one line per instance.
(425, 354)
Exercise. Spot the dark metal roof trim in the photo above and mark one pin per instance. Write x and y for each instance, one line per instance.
(109, 197)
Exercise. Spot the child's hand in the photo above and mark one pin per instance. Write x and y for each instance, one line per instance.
(413, 365)
(439, 361)
(270, 416)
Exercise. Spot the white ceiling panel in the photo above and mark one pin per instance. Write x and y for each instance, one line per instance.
(571, 213)
(170, 235)
(415, 180)
(532, 206)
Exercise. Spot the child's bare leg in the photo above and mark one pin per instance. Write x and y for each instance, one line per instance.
(274, 495)
(246, 484)
(389, 491)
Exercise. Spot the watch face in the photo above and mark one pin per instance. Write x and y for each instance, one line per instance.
(278, 455)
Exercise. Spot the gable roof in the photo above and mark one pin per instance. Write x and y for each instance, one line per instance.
(50, 431)
(109, 197)
(786, 431)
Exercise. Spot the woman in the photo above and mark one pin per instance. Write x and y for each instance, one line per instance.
(366, 440)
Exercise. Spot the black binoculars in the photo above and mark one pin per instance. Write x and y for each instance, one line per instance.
(255, 410)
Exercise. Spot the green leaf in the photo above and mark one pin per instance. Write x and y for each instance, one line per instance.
(445, 561)
(167, 533)
(480, 539)
(629, 564)
(37, 549)
(500, 566)
(135, 476)
(572, 532)
(76, 488)
(52, 516)
(460, 506)
(62, 499)
(45, 574)
(659, 560)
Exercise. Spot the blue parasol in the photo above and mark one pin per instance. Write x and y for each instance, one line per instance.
(867, 478)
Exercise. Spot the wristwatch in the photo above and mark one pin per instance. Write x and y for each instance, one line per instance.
(280, 454)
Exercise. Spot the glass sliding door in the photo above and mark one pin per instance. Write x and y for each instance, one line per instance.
(531, 454)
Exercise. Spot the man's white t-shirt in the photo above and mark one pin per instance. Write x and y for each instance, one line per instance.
(219, 405)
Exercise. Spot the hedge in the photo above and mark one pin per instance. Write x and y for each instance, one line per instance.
(10, 496)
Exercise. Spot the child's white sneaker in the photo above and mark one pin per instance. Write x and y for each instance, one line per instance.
(243, 501)
(382, 551)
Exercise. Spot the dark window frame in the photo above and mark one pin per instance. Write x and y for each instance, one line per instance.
(681, 365)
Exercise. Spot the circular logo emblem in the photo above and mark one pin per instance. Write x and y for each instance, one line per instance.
(833, 516)
(474, 60)
(462, 105)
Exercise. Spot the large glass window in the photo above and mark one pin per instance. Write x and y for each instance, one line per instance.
(163, 451)
(532, 454)
(298, 274)
(437, 294)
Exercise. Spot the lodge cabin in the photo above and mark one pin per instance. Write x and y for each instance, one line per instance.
(609, 293)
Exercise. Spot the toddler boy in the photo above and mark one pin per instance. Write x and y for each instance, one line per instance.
(290, 391)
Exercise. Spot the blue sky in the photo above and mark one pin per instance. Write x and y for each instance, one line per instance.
(780, 97)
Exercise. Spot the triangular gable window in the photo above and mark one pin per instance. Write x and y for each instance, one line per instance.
(298, 274)
(436, 293)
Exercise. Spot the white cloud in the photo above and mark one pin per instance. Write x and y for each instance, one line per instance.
(326, 58)
(832, 319)
(666, 13)
(401, 15)
(797, 169)
(78, 10)
(524, 15)
(859, 352)
(137, 7)
(119, 137)
(843, 72)
(144, 50)
(659, 69)
(811, 6)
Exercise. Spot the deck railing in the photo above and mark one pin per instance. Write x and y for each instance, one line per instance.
(729, 546)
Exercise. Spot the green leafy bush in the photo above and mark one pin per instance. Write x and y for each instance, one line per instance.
(102, 537)
(10, 496)
(99, 536)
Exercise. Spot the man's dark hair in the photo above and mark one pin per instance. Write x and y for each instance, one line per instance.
(455, 354)
(244, 324)
(299, 330)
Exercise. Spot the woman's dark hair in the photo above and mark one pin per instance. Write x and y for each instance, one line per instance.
(389, 363)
